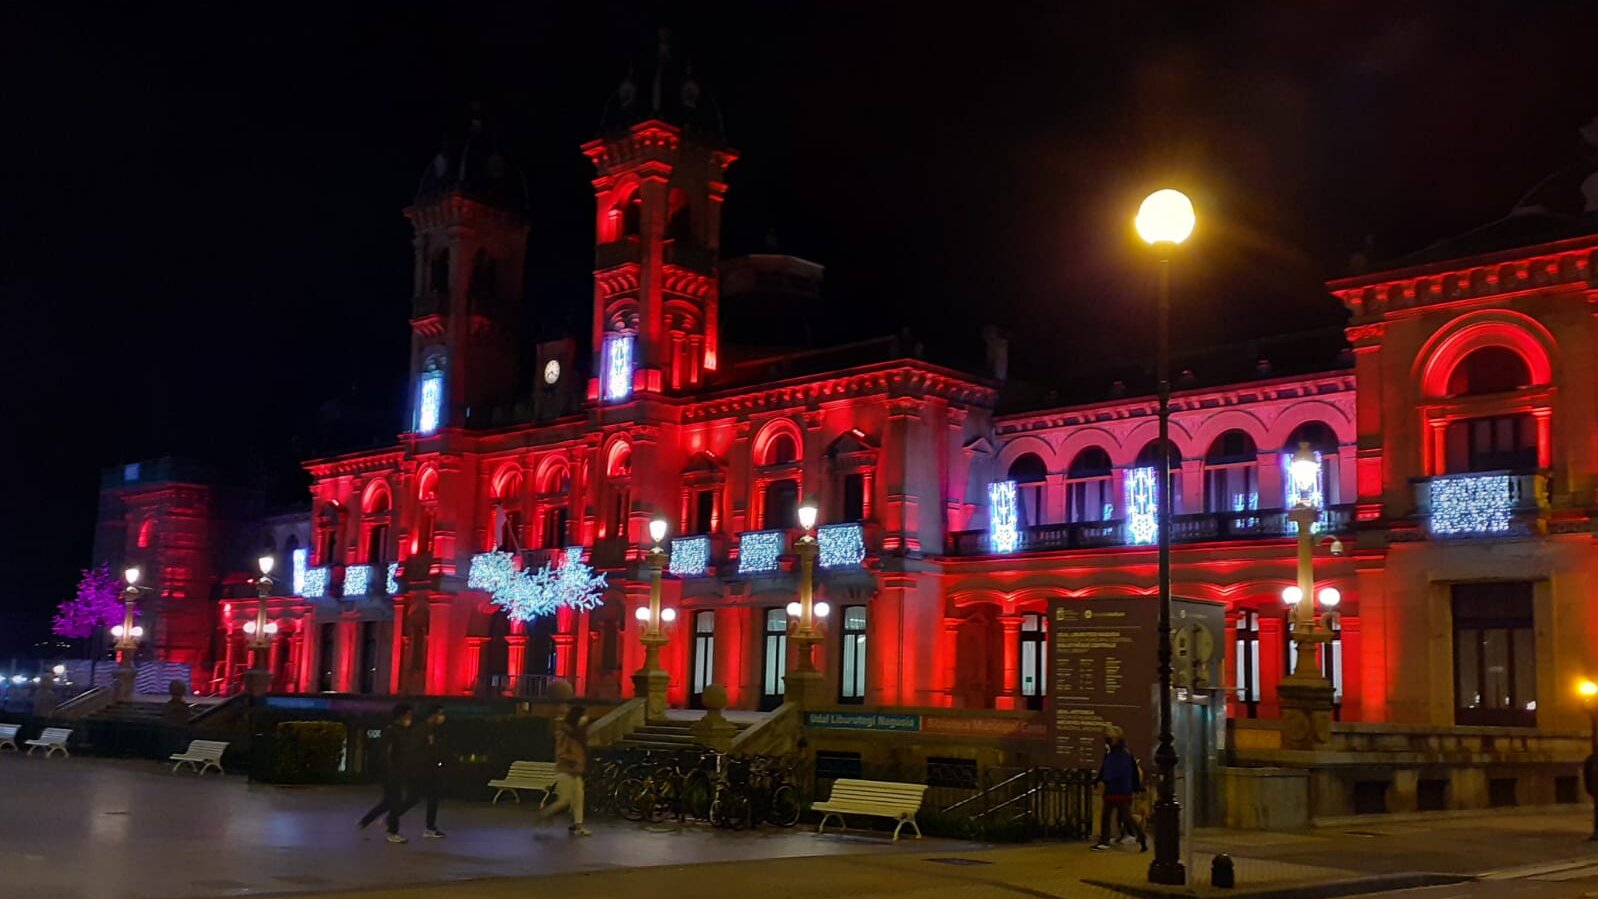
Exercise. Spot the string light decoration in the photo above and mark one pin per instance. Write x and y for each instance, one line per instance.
(758, 551)
(316, 582)
(357, 580)
(690, 556)
(1479, 504)
(1004, 531)
(298, 560)
(391, 582)
(1142, 506)
(618, 366)
(525, 596)
(842, 545)
(430, 402)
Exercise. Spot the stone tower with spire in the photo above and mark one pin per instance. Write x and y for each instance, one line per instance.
(661, 158)
(470, 223)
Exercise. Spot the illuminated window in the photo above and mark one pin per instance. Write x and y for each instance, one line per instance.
(774, 679)
(704, 666)
(1089, 487)
(1034, 666)
(299, 559)
(1030, 477)
(1495, 655)
(1231, 474)
(147, 533)
(1248, 661)
(1149, 457)
(618, 366)
(852, 682)
(429, 402)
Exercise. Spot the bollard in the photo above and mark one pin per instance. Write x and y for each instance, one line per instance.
(1221, 873)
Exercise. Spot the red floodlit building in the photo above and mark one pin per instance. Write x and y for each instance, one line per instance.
(1457, 462)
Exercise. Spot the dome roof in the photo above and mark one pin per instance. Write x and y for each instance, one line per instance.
(475, 164)
(662, 86)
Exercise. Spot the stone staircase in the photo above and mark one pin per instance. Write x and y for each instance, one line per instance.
(673, 733)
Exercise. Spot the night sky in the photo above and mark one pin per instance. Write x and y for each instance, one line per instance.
(202, 251)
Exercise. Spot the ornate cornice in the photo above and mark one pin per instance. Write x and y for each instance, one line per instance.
(1562, 263)
(1314, 387)
(911, 380)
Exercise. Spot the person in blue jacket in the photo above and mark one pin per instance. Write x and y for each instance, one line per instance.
(1119, 775)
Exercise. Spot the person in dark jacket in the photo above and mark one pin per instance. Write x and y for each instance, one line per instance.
(399, 773)
(1119, 775)
(430, 780)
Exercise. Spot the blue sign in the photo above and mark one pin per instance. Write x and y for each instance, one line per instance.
(862, 721)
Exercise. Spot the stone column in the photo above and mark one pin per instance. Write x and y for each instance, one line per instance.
(515, 655)
(949, 650)
(439, 608)
(474, 661)
(396, 655)
(1011, 697)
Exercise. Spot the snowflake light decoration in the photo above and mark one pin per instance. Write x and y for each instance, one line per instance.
(1479, 504)
(391, 584)
(758, 551)
(298, 560)
(690, 556)
(357, 580)
(842, 545)
(525, 596)
(1142, 505)
(1004, 524)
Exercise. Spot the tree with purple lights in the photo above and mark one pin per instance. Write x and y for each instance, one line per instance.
(98, 603)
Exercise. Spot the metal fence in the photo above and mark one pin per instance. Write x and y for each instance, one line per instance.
(1017, 803)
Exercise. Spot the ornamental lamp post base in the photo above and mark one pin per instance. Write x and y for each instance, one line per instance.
(257, 681)
(650, 682)
(1306, 712)
(123, 681)
(714, 731)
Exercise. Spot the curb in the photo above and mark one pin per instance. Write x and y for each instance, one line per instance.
(1354, 886)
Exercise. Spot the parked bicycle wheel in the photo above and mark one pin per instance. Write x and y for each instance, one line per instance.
(634, 799)
(730, 810)
(697, 795)
(784, 809)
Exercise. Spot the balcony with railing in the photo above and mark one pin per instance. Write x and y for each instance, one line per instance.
(1202, 527)
(1483, 504)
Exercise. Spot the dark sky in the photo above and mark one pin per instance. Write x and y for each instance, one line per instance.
(202, 252)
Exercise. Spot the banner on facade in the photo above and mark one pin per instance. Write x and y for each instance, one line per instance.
(962, 726)
(862, 721)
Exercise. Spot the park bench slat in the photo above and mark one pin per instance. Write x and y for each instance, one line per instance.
(875, 798)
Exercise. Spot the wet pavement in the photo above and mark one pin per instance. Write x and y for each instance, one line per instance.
(99, 829)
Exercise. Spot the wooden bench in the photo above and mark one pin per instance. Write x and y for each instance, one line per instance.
(875, 798)
(53, 740)
(8, 736)
(200, 755)
(526, 776)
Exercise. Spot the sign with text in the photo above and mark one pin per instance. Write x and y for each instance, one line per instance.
(1104, 669)
(862, 721)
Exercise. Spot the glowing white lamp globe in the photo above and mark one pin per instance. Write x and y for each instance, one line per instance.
(138, 631)
(793, 609)
(116, 630)
(59, 670)
(131, 575)
(807, 516)
(271, 627)
(1166, 216)
(1292, 595)
(642, 613)
(1330, 597)
(249, 627)
(668, 615)
(266, 563)
(822, 610)
(657, 530)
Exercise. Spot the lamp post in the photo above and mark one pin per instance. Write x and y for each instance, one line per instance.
(258, 680)
(1589, 768)
(803, 686)
(1306, 694)
(1165, 220)
(127, 634)
(651, 680)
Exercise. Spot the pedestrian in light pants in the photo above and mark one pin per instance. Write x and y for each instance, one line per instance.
(571, 760)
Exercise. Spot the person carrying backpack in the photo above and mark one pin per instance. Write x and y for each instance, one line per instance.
(1118, 772)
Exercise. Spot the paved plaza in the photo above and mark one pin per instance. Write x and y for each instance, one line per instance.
(97, 829)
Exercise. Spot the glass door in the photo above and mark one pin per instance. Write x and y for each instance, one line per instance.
(704, 657)
(774, 668)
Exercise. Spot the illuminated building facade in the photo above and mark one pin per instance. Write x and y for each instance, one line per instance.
(1457, 467)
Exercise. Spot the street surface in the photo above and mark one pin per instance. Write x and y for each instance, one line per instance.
(95, 829)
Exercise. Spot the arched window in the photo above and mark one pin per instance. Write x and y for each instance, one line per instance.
(508, 510)
(327, 535)
(1149, 457)
(632, 215)
(1491, 369)
(620, 471)
(1231, 474)
(1491, 442)
(680, 224)
(146, 537)
(438, 274)
(375, 508)
(781, 504)
(1323, 440)
(781, 450)
(1089, 487)
(1030, 476)
(427, 504)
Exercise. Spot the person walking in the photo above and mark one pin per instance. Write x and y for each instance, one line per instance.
(399, 775)
(1118, 772)
(571, 761)
(430, 780)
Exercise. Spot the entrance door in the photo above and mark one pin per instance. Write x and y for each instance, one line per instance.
(368, 657)
(704, 657)
(774, 670)
(324, 659)
(1034, 678)
(1495, 655)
